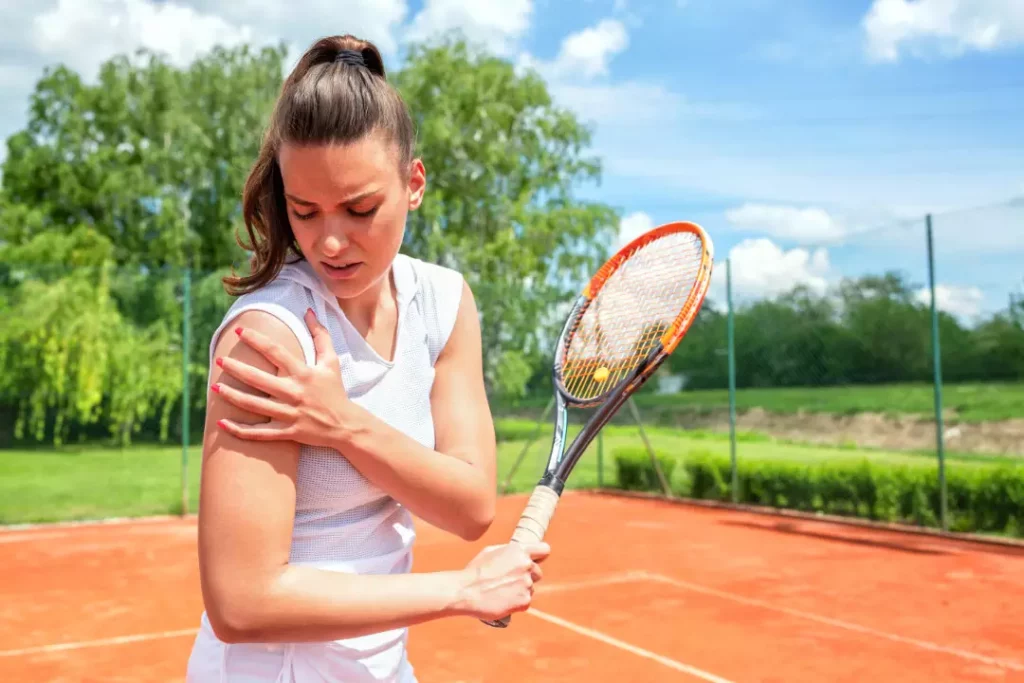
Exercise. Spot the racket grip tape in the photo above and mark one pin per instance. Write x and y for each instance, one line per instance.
(533, 524)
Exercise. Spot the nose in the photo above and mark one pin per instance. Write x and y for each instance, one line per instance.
(334, 240)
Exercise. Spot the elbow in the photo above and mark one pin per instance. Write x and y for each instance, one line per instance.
(234, 622)
(237, 617)
(477, 521)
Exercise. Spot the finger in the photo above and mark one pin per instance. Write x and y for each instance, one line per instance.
(537, 551)
(273, 385)
(269, 431)
(255, 404)
(536, 573)
(321, 338)
(270, 350)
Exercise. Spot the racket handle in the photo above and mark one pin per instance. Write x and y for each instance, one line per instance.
(532, 526)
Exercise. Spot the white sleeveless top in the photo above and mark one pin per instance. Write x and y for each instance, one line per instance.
(342, 521)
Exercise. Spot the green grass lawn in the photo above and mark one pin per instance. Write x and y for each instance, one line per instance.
(94, 482)
(969, 402)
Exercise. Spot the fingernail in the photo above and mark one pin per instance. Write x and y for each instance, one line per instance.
(220, 423)
(238, 331)
(220, 362)
(215, 388)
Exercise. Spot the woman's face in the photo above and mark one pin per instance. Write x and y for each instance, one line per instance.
(347, 207)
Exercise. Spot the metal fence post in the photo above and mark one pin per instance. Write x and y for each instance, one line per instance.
(185, 403)
(732, 384)
(937, 367)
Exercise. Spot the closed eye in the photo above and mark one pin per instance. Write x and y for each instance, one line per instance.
(364, 214)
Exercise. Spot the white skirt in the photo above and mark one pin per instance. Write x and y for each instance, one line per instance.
(376, 658)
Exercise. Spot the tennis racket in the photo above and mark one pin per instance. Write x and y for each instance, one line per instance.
(629, 318)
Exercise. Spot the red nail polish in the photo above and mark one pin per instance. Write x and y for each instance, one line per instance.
(220, 362)
(215, 388)
(220, 423)
(238, 331)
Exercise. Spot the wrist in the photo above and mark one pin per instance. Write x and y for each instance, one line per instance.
(352, 425)
(460, 592)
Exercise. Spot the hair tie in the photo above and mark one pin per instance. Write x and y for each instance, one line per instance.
(353, 57)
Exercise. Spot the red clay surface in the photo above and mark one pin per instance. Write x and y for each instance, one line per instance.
(635, 590)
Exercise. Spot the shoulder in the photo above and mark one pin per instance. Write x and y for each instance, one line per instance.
(435, 280)
(443, 295)
(276, 310)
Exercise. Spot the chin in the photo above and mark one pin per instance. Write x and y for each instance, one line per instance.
(349, 285)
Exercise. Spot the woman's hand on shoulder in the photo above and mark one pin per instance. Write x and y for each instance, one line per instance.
(308, 406)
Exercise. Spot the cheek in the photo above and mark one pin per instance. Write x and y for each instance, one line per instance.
(385, 235)
(305, 234)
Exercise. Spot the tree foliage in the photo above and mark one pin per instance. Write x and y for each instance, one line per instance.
(503, 163)
(114, 187)
(866, 330)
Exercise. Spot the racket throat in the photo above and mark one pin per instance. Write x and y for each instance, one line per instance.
(552, 481)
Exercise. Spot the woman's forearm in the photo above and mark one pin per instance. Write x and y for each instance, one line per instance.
(301, 603)
(441, 489)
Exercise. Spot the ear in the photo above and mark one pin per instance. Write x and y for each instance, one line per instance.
(417, 183)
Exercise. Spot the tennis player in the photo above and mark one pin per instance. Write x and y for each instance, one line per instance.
(346, 396)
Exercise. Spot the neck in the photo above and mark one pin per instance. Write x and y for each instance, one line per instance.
(363, 310)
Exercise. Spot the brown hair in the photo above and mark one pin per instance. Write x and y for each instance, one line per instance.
(338, 93)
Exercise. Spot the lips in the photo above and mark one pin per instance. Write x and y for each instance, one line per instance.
(341, 272)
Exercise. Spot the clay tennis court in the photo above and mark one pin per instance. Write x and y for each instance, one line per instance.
(636, 590)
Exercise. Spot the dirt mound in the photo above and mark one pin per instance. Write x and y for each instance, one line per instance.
(872, 430)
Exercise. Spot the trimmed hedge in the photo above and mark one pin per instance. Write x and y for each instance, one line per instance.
(981, 497)
(636, 471)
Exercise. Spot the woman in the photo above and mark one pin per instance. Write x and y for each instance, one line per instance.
(346, 396)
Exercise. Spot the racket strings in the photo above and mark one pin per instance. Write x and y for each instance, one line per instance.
(638, 303)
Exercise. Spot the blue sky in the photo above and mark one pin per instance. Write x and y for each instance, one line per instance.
(809, 137)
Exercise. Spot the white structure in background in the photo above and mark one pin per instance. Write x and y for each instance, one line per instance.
(671, 384)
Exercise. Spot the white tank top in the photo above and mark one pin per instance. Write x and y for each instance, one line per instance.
(342, 521)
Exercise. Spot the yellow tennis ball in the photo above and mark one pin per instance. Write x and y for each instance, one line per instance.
(601, 374)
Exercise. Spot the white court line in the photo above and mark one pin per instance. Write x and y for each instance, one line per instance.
(596, 582)
(632, 649)
(11, 537)
(102, 642)
(923, 644)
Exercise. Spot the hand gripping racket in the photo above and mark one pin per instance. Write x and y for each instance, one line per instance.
(628, 319)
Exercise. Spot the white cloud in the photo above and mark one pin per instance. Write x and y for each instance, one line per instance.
(632, 226)
(117, 26)
(760, 268)
(588, 52)
(578, 78)
(962, 302)
(497, 24)
(300, 22)
(954, 26)
(583, 55)
(810, 224)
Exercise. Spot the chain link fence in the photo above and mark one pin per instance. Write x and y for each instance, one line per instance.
(808, 381)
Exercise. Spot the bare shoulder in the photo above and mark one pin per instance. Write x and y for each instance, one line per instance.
(464, 343)
(221, 450)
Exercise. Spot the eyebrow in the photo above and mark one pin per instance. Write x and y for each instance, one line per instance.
(348, 200)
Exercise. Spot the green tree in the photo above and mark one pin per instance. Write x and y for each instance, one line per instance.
(503, 163)
(151, 157)
(107, 192)
(112, 187)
